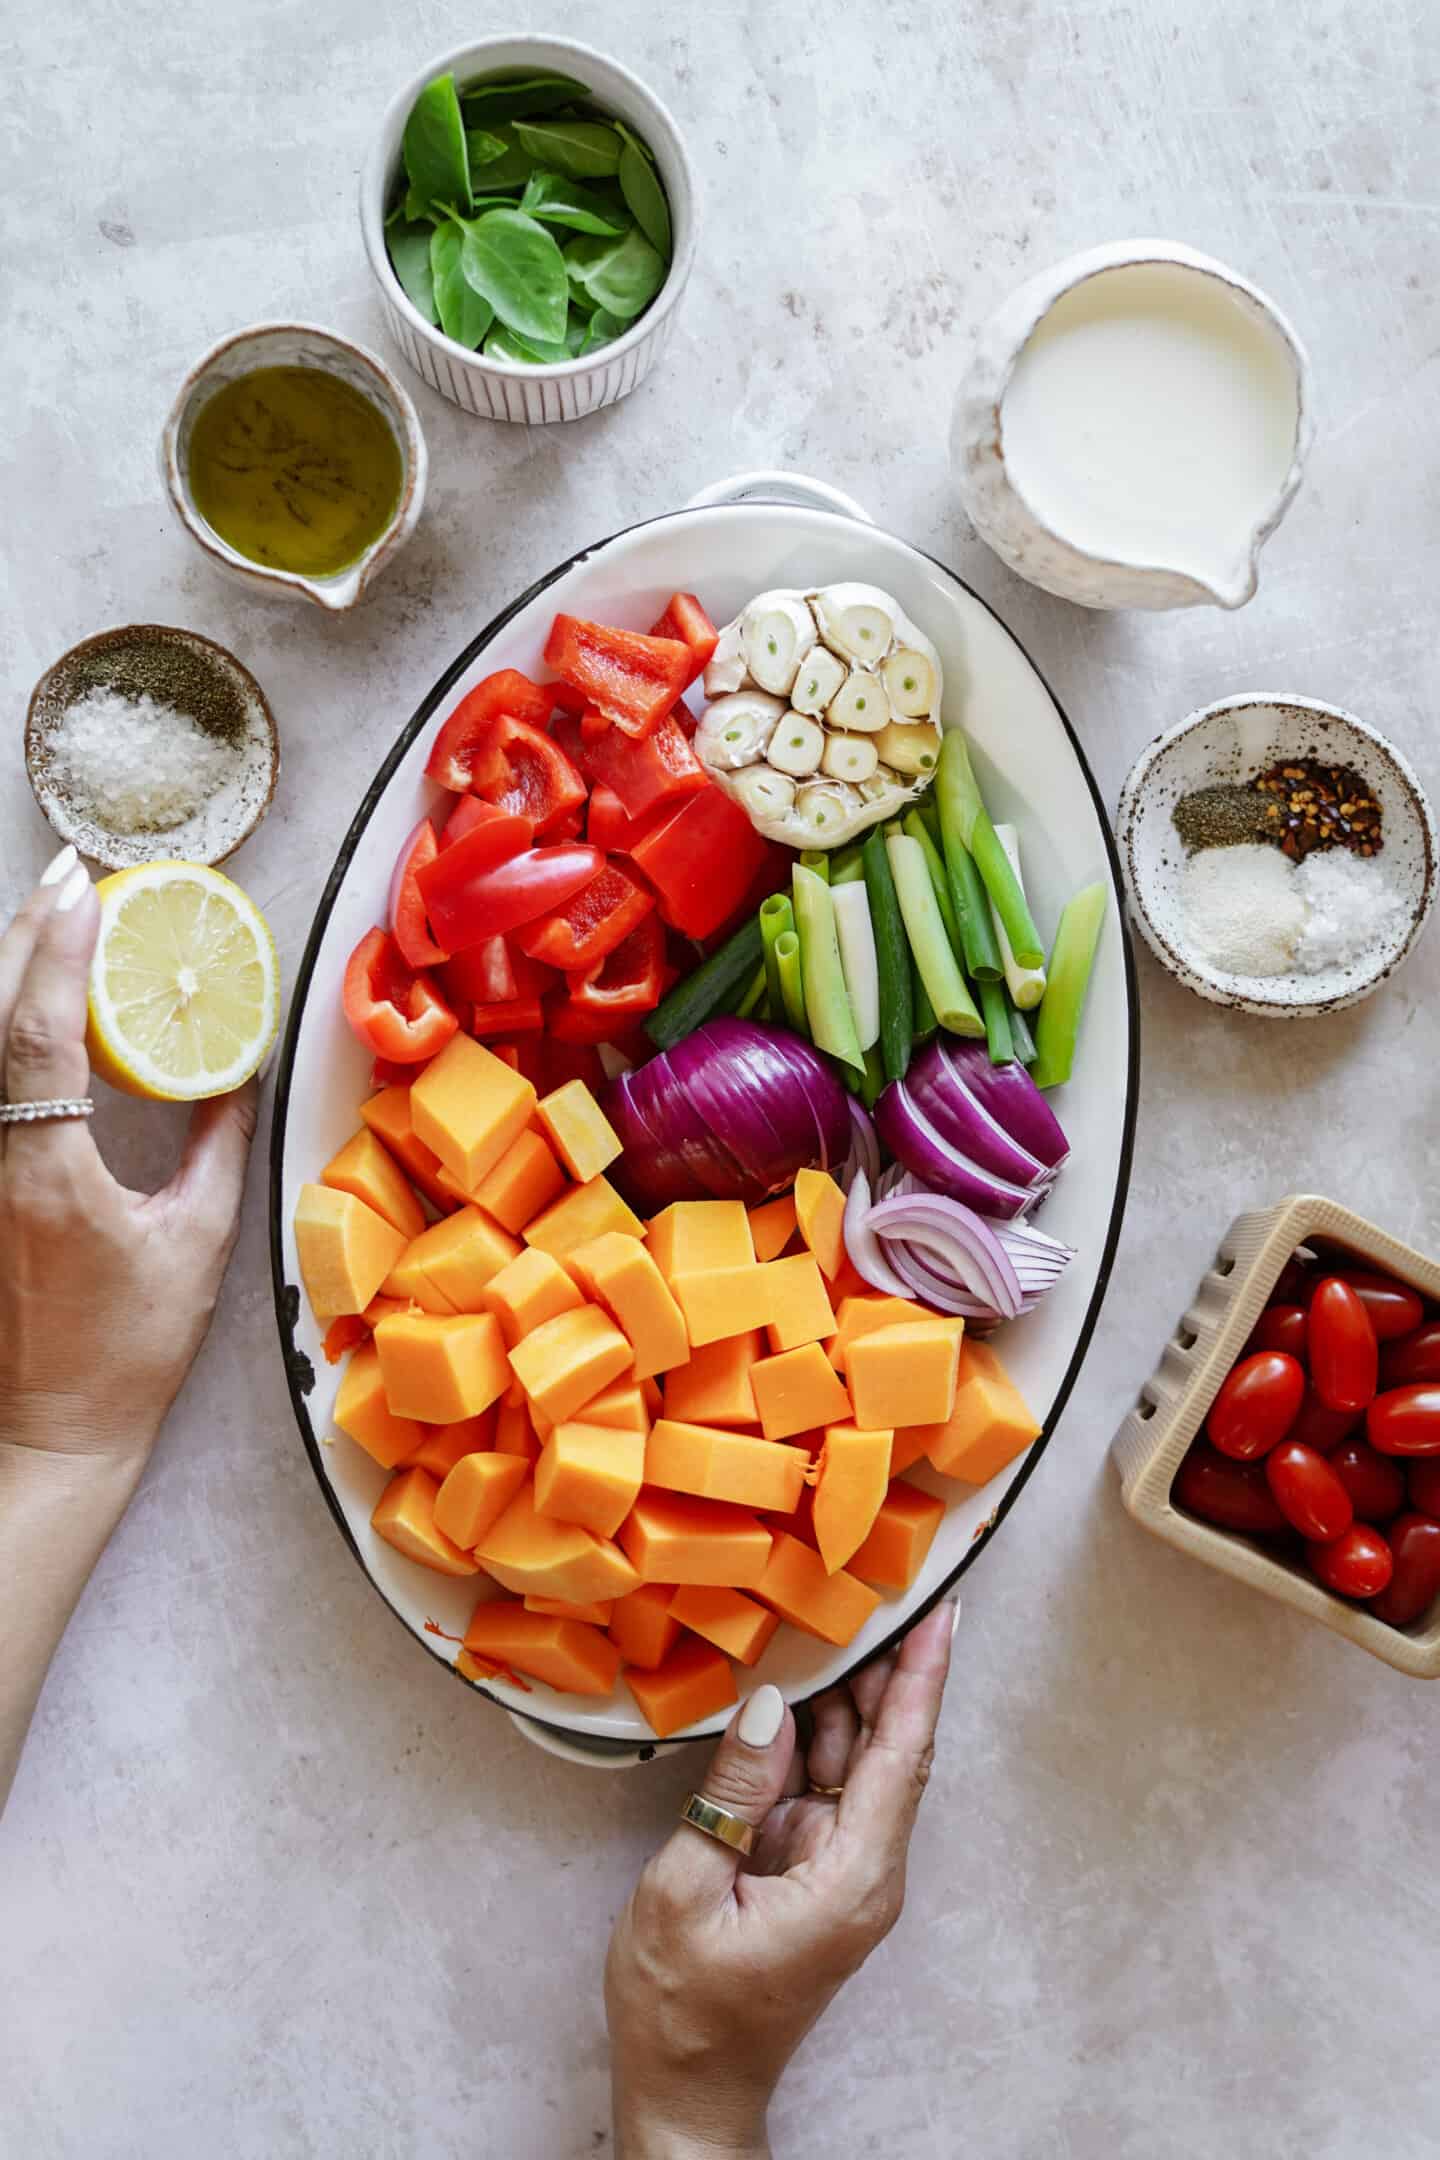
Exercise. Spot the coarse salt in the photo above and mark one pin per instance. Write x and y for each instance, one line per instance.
(1353, 909)
(1243, 910)
(134, 764)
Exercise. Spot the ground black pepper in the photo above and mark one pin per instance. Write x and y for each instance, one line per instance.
(1219, 817)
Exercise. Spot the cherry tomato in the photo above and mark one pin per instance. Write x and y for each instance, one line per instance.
(1296, 1280)
(1375, 1483)
(1406, 1420)
(1393, 1309)
(1280, 1327)
(1307, 1491)
(1415, 1543)
(1232, 1494)
(1358, 1564)
(1413, 1357)
(1321, 1427)
(1422, 1475)
(1344, 1360)
(1256, 1405)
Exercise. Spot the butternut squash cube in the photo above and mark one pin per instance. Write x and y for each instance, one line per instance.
(863, 1315)
(724, 1301)
(911, 1442)
(719, 1465)
(989, 1425)
(797, 1585)
(408, 1284)
(820, 1215)
(524, 1181)
(727, 1618)
(692, 1236)
(714, 1388)
(528, 1291)
(583, 1213)
(362, 1411)
(344, 1248)
(641, 1626)
(442, 1446)
(905, 1375)
(534, 1556)
(441, 1368)
(579, 1130)
(469, 1106)
(797, 1389)
(772, 1225)
(476, 1493)
(672, 1537)
(565, 1361)
(619, 1274)
(694, 1682)
(589, 1474)
(459, 1256)
(622, 1403)
(387, 1115)
(515, 1432)
(366, 1169)
(800, 1304)
(565, 1654)
(900, 1537)
(405, 1517)
(598, 1613)
(853, 1481)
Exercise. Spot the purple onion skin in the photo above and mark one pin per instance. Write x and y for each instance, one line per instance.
(955, 1110)
(1011, 1097)
(895, 1121)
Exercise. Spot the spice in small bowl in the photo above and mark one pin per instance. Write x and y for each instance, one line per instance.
(151, 743)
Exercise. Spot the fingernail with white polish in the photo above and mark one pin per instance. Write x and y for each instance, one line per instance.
(72, 891)
(63, 863)
(762, 1717)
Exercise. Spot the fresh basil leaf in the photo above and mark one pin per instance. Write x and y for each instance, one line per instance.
(577, 330)
(483, 148)
(409, 246)
(496, 98)
(515, 264)
(512, 169)
(602, 329)
(557, 200)
(434, 145)
(625, 278)
(464, 315)
(645, 197)
(631, 137)
(503, 344)
(585, 149)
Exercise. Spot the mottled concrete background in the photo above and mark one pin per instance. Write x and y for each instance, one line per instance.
(272, 1886)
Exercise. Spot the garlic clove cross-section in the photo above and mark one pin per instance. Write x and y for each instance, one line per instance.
(856, 621)
(827, 810)
(797, 745)
(821, 674)
(735, 731)
(910, 746)
(767, 796)
(860, 702)
(777, 630)
(909, 678)
(849, 757)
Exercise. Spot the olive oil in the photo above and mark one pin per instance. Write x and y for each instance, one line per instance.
(295, 468)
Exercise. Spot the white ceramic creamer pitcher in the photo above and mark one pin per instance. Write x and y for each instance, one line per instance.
(1132, 427)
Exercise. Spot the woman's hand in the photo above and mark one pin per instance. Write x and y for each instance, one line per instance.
(718, 1967)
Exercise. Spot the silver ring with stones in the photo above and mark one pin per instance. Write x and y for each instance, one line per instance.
(50, 1108)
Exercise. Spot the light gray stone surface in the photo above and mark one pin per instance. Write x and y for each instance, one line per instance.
(270, 1884)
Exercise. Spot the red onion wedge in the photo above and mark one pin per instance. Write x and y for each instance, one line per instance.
(1011, 1097)
(864, 1147)
(863, 1245)
(939, 1090)
(939, 1164)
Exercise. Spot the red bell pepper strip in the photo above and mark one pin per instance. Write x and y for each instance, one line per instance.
(494, 840)
(468, 812)
(593, 724)
(463, 750)
(496, 900)
(608, 825)
(567, 699)
(701, 862)
(659, 769)
(569, 827)
(385, 1072)
(591, 924)
(396, 1011)
(558, 1061)
(686, 620)
(408, 926)
(482, 974)
(531, 775)
(517, 1016)
(633, 680)
(625, 983)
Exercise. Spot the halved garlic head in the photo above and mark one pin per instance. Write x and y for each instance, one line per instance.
(735, 731)
(820, 676)
(777, 629)
(909, 678)
(826, 811)
(849, 757)
(857, 621)
(725, 669)
(860, 702)
(766, 794)
(885, 788)
(910, 746)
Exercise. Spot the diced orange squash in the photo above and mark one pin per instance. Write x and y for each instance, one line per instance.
(800, 1304)
(673, 1537)
(527, 1292)
(863, 1315)
(847, 1281)
(693, 1683)
(590, 1474)
(641, 1625)
(800, 1522)
(796, 1583)
(692, 1236)
(405, 1517)
(583, 1213)
(368, 1170)
(515, 1433)
(387, 1115)
(772, 1225)
(719, 1465)
(379, 1306)
(534, 1556)
(469, 1106)
(475, 1670)
(362, 1411)
(619, 1274)
(714, 1388)
(565, 1654)
(408, 1284)
(565, 1361)
(797, 1389)
(578, 1130)
(910, 1443)
(853, 1481)
(724, 1300)
(902, 1534)
(598, 1613)
(905, 1375)
(989, 1424)
(476, 1494)
(820, 1214)
(459, 1256)
(442, 1367)
(442, 1446)
(524, 1181)
(727, 1618)
(344, 1248)
(622, 1403)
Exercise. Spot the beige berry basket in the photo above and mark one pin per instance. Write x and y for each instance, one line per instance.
(1174, 1402)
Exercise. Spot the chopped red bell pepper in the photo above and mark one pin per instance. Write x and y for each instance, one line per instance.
(482, 974)
(559, 1061)
(517, 1016)
(593, 724)
(609, 826)
(527, 773)
(701, 862)
(397, 1011)
(569, 827)
(567, 698)
(385, 1072)
(495, 901)
(590, 924)
(686, 620)
(468, 812)
(644, 774)
(464, 744)
(408, 926)
(634, 680)
(627, 980)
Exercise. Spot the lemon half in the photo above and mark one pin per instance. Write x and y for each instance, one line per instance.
(184, 987)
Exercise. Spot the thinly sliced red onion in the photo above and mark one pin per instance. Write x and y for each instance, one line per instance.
(936, 1291)
(938, 1088)
(864, 1148)
(1011, 1096)
(963, 1239)
(1038, 1259)
(863, 1245)
(939, 1163)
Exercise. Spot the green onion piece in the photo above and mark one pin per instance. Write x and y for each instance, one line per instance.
(996, 1009)
(963, 813)
(1057, 1021)
(1026, 985)
(934, 957)
(846, 864)
(892, 957)
(792, 988)
(873, 1083)
(818, 861)
(709, 990)
(832, 1024)
(1021, 1036)
(855, 935)
(984, 961)
(754, 996)
(939, 883)
(925, 1021)
(776, 916)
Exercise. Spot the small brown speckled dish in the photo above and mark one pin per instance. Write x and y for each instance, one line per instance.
(197, 677)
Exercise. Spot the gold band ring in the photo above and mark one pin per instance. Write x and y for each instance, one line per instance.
(825, 1792)
(718, 1822)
